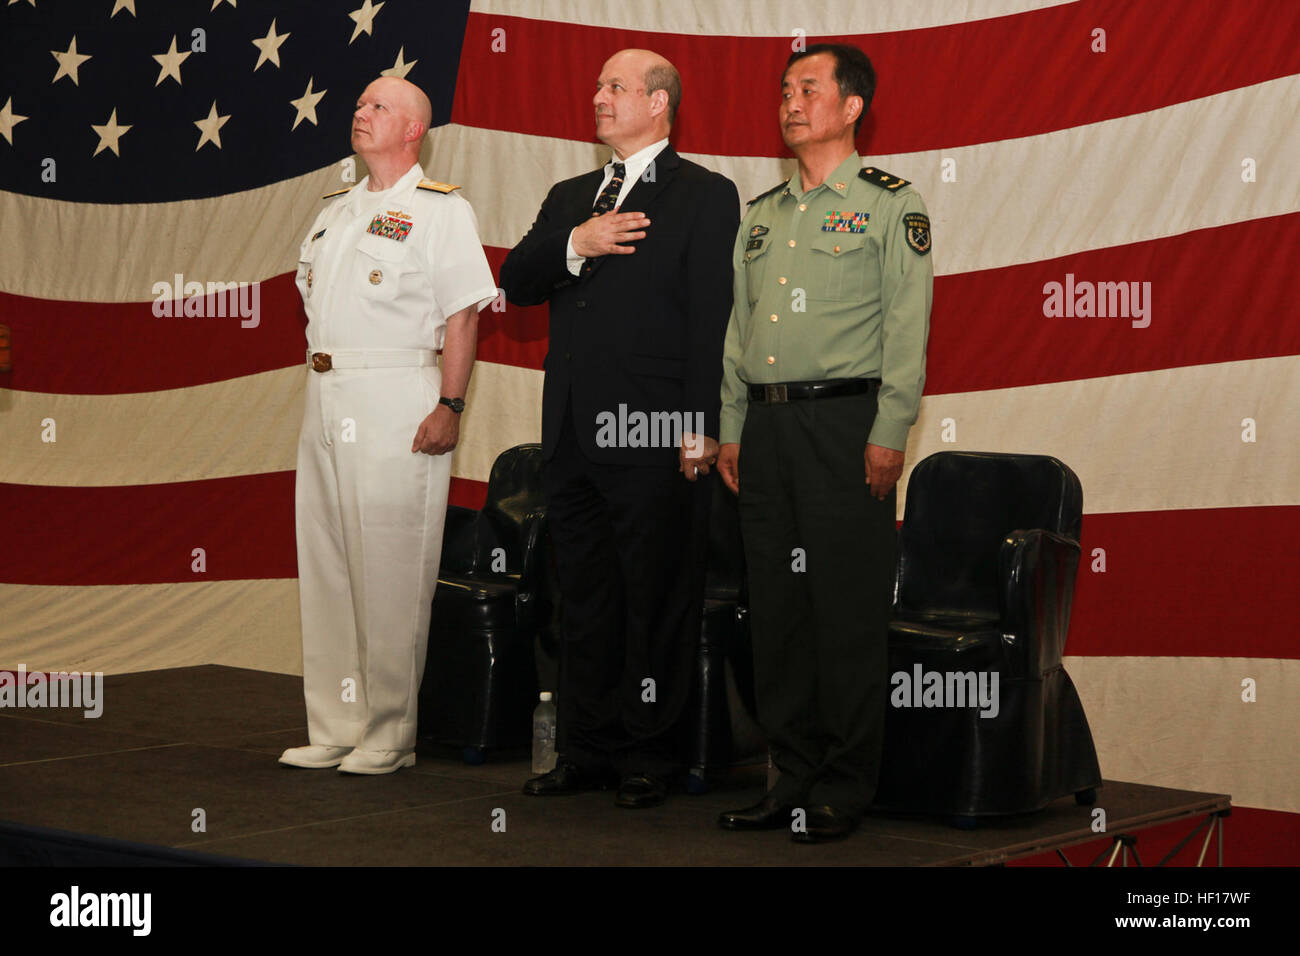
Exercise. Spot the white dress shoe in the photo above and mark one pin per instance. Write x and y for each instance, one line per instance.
(376, 761)
(314, 757)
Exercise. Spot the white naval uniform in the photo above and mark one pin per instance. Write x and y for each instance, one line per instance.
(370, 511)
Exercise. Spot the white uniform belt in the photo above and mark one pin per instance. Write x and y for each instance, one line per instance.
(324, 361)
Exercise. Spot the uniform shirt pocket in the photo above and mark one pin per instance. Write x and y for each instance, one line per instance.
(838, 265)
(382, 264)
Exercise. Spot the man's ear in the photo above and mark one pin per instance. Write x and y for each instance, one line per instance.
(659, 102)
(415, 130)
(854, 106)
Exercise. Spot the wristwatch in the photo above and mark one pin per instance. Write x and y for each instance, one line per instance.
(457, 405)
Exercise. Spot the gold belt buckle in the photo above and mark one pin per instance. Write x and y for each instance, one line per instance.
(321, 362)
(775, 393)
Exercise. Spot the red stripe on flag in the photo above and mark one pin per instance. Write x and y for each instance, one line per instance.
(1196, 583)
(467, 493)
(1176, 583)
(1216, 295)
(946, 86)
(518, 334)
(145, 534)
(108, 348)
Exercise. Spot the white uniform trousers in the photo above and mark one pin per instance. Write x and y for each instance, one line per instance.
(370, 516)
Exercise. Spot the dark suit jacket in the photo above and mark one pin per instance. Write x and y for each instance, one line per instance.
(644, 330)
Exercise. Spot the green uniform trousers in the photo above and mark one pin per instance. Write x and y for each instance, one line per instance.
(820, 552)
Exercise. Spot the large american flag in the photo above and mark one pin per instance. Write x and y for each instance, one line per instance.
(1098, 141)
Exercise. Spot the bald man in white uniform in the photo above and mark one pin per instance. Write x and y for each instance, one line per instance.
(391, 270)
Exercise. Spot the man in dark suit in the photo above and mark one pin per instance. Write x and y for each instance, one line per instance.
(639, 302)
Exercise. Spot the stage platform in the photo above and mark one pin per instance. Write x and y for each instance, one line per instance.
(200, 743)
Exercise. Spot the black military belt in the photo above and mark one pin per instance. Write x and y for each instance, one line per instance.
(798, 391)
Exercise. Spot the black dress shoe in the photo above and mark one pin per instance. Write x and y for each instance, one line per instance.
(567, 777)
(636, 791)
(826, 823)
(767, 814)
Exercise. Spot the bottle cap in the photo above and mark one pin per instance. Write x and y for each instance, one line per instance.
(545, 695)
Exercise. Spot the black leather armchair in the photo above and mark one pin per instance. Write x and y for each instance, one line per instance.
(988, 554)
(492, 602)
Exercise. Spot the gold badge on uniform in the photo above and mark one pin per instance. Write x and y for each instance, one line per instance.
(918, 232)
(758, 231)
(376, 277)
(309, 277)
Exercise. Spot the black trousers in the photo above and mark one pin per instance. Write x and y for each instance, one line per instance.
(629, 553)
(820, 552)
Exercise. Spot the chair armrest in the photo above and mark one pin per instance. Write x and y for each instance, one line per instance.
(532, 604)
(1037, 571)
(532, 549)
(459, 541)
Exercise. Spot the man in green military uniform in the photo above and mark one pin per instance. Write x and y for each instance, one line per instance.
(822, 377)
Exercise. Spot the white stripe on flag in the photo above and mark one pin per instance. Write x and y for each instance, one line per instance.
(1151, 441)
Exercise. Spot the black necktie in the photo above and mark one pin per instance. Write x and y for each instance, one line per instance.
(608, 197)
(606, 201)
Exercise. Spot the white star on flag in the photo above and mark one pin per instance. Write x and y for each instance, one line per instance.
(109, 134)
(270, 47)
(69, 61)
(365, 19)
(399, 69)
(306, 105)
(171, 63)
(8, 120)
(210, 126)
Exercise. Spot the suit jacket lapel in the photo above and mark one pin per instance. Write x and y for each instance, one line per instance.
(645, 189)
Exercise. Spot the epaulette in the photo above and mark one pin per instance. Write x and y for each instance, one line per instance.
(337, 192)
(768, 193)
(882, 179)
(436, 187)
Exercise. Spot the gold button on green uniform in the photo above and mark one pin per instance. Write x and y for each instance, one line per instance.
(847, 266)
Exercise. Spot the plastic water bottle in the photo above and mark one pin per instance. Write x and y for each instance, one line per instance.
(544, 735)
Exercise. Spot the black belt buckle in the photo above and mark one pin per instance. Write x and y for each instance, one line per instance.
(776, 393)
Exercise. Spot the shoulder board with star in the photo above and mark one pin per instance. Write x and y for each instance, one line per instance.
(337, 192)
(768, 193)
(878, 177)
(436, 187)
